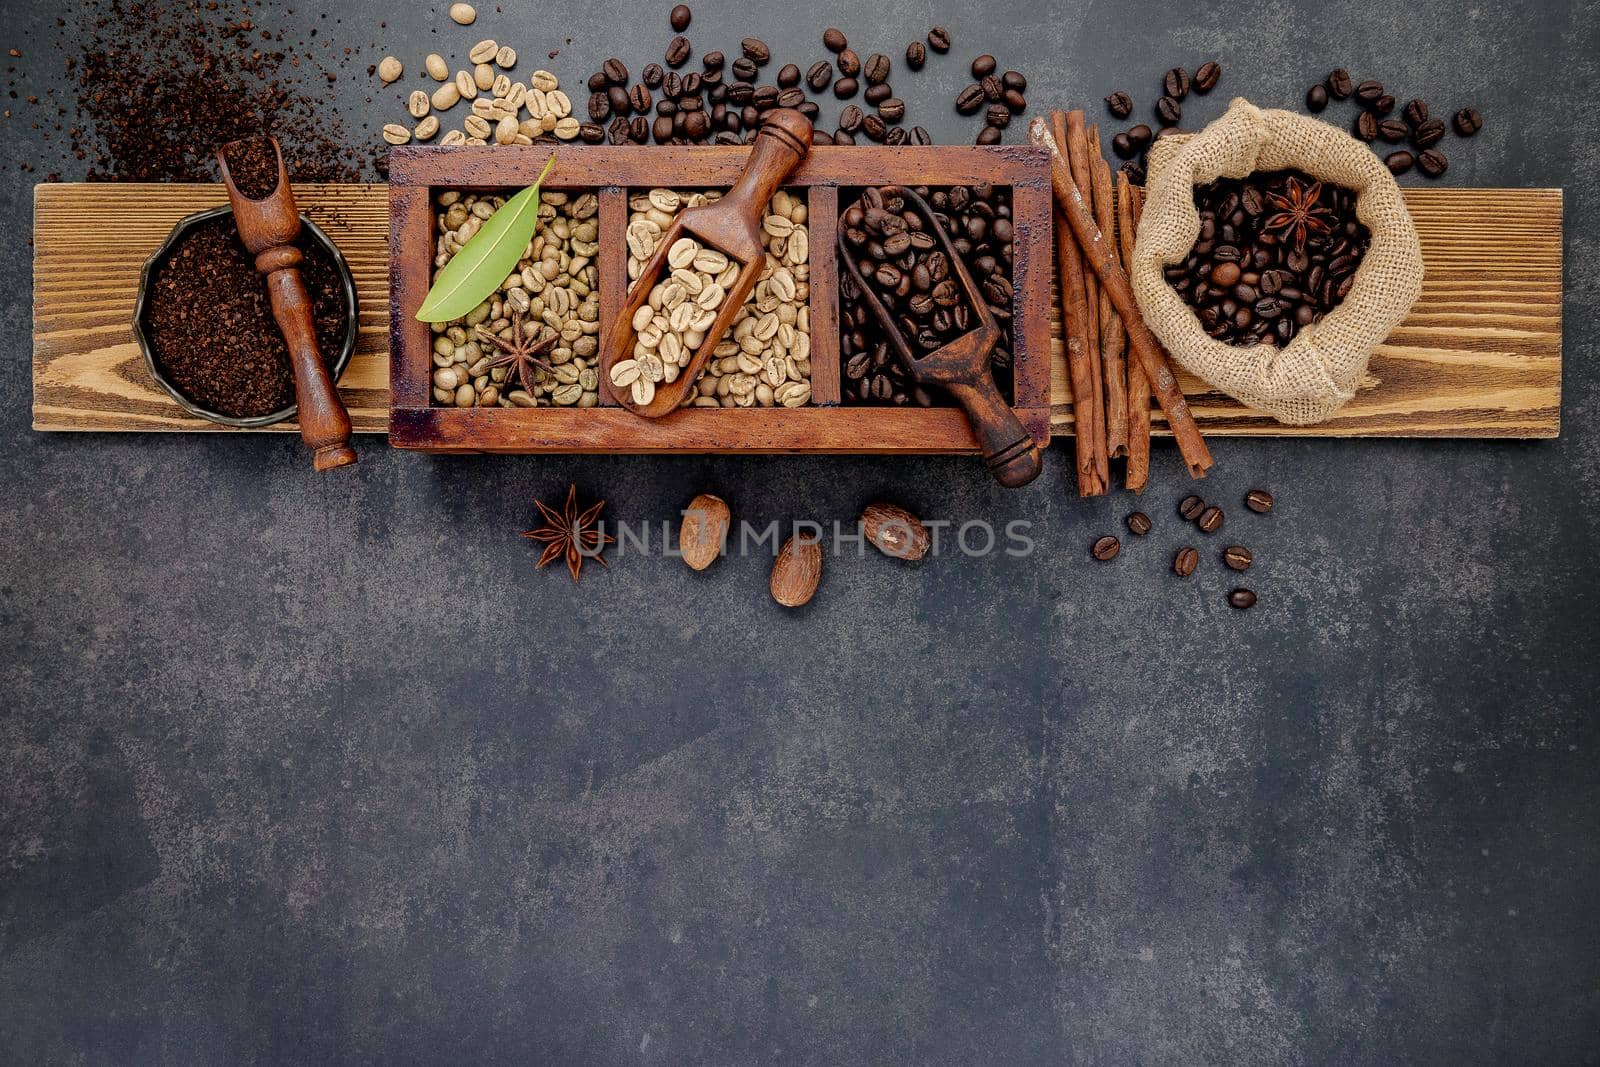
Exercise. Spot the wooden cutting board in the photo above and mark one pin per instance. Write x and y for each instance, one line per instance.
(1479, 356)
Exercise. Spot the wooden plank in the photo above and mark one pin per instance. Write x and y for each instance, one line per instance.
(1480, 355)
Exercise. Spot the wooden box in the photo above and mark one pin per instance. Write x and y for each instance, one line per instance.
(416, 173)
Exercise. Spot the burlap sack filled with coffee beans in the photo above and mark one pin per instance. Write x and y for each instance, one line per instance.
(1318, 371)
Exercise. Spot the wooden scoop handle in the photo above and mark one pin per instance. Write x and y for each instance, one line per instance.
(324, 423)
(1008, 449)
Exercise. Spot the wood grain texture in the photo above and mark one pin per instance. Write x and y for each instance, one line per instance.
(1480, 355)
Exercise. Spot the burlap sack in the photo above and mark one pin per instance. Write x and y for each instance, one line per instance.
(1318, 372)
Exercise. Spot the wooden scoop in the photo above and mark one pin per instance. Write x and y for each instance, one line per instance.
(269, 226)
(961, 367)
(732, 226)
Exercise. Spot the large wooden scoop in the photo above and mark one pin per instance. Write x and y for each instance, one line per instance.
(732, 226)
(961, 367)
(269, 226)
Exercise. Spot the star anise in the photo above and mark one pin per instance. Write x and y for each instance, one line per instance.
(571, 535)
(1300, 213)
(519, 352)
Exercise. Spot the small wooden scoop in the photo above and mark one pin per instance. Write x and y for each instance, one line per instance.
(269, 226)
(962, 366)
(732, 226)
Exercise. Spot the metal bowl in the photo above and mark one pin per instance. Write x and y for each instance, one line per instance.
(141, 307)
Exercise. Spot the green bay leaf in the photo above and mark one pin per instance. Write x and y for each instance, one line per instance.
(487, 259)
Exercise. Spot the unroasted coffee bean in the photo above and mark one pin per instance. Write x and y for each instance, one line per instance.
(850, 119)
(1433, 163)
(1399, 162)
(1184, 563)
(1393, 130)
(1468, 121)
(1428, 134)
(1169, 111)
(892, 110)
(1176, 83)
(820, 76)
(1210, 520)
(876, 69)
(1190, 507)
(983, 66)
(678, 52)
(849, 63)
(1106, 548)
(679, 18)
(1120, 104)
(1369, 93)
(1316, 98)
(615, 72)
(1139, 524)
(1366, 127)
(1237, 558)
(755, 50)
(1416, 112)
(1206, 78)
(939, 39)
(834, 40)
(1340, 84)
(845, 88)
(970, 99)
(916, 55)
(1243, 599)
(1258, 501)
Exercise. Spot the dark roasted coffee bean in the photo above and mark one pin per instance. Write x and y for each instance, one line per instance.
(834, 40)
(744, 69)
(918, 136)
(671, 84)
(1206, 78)
(755, 50)
(690, 86)
(1393, 130)
(843, 137)
(998, 116)
(1106, 548)
(970, 99)
(895, 137)
(1122, 146)
(877, 94)
(766, 97)
(1428, 134)
(1340, 84)
(982, 67)
(599, 106)
(1237, 558)
(792, 97)
(1140, 136)
(849, 63)
(1369, 93)
(1014, 81)
(1258, 501)
(1169, 111)
(652, 76)
(621, 102)
(1139, 523)
(810, 110)
(618, 131)
(874, 128)
(845, 88)
(662, 128)
(1316, 98)
(1176, 83)
(1184, 563)
(678, 51)
(696, 124)
(1416, 112)
(679, 19)
(1190, 507)
(992, 89)
(639, 129)
(598, 82)
(713, 60)
(640, 98)
(592, 133)
(1468, 121)
(788, 76)
(1120, 104)
(1433, 163)
(850, 119)
(876, 68)
(741, 93)
(939, 39)
(1134, 171)
(916, 55)
(1243, 599)
(615, 72)
(1383, 105)
(989, 135)
(1399, 162)
(1366, 127)
(1210, 520)
(892, 110)
(820, 76)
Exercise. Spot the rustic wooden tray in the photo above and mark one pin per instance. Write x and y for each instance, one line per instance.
(1479, 355)
(415, 173)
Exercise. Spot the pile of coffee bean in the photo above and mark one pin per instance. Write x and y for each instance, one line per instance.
(1132, 144)
(999, 96)
(1276, 252)
(1208, 519)
(1373, 122)
(977, 219)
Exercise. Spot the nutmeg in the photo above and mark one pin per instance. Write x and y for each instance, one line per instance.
(705, 525)
(796, 572)
(895, 531)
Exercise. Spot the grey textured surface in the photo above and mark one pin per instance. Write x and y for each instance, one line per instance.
(300, 769)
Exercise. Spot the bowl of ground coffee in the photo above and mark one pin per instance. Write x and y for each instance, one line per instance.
(204, 321)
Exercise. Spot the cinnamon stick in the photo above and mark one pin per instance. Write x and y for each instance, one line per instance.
(1075, 334)
(1077, 141)
(1112, 338)
(1196, 456)
(1130, 205)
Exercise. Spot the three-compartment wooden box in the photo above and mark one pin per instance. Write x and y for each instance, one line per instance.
(416, 174)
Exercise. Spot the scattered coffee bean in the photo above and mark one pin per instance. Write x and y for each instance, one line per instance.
(788, 76)
(755, 50)
(1013, 80)
(850, 118)
(1139, 524)
(845, 88)
(1120, 104)
(1366, 127)
(893, 110)
(939, 39)
(983, 66)
(1428, 134)
(1433, 163)
(713, 60)
(678, 52)
(849, 63)
(1184, 563)
(1243, 599)
(1106, 548)
(1399, 162)
(1316, 98)
(1468, 121)
(1383, 105)
(916, 55)
(919, 136)
(679, 19)
(1393, 130)
(1210, 520)
(1258, 501)
(989, 135)
(1368, 93)
(998, 116)
(834, 40)
(1340, 84)
(1237, 557)
(1416, 112)
(653, 76)
(1176, 83)
(1169, 111)
(1140, 137)
(992, 89)
(969, 100)
(1206, 78)
(615, 72)
(820, 76)
(1190, 507)
(876, 69)
(877, 94)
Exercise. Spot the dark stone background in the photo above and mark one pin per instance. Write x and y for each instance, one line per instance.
(300, 769)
